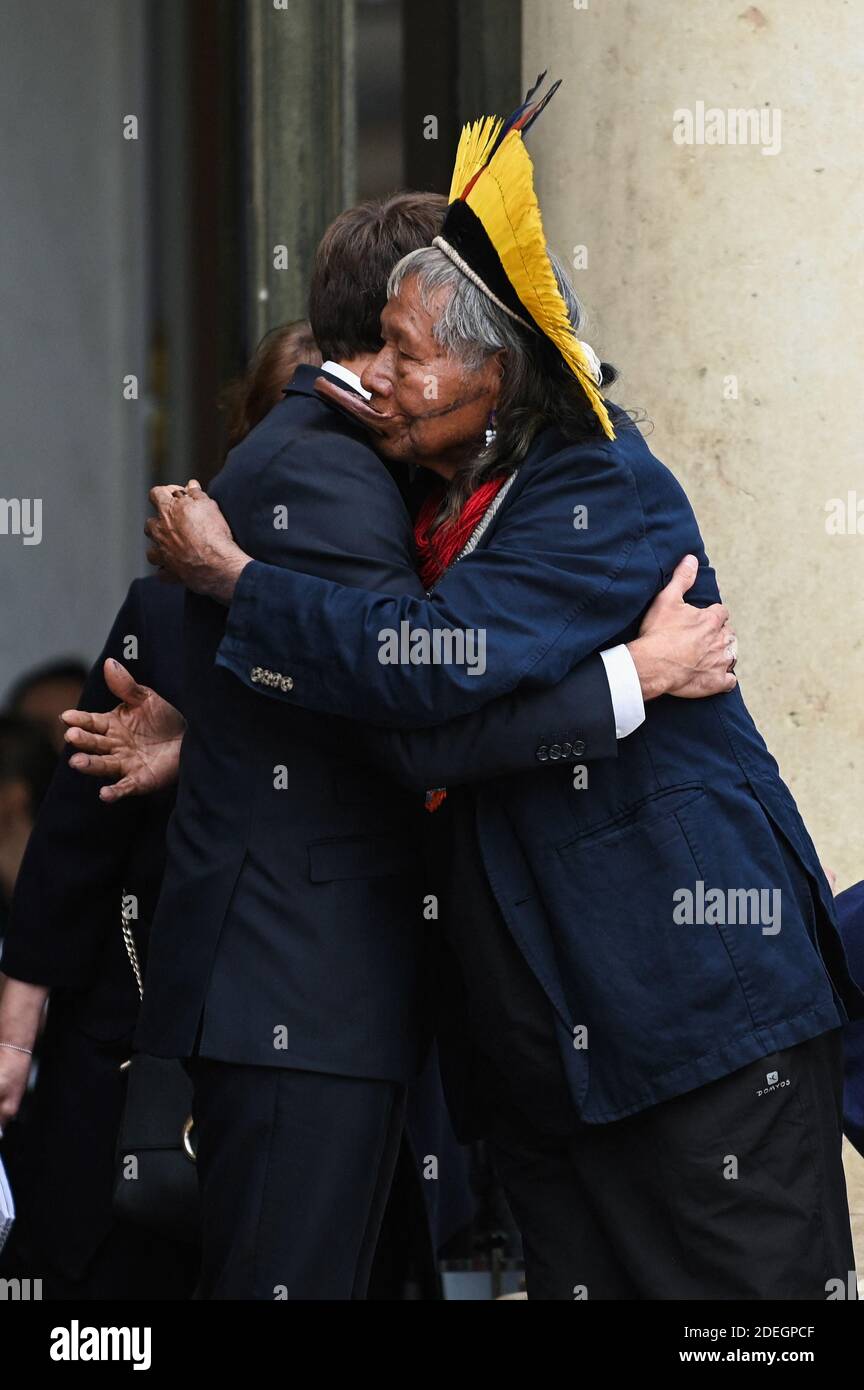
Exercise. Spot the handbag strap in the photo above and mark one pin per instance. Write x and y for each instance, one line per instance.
(129, 942)
(132, 953)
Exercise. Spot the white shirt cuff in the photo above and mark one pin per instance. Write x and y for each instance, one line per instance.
(627, 703)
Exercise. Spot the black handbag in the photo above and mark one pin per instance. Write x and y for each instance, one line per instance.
(156, 1185)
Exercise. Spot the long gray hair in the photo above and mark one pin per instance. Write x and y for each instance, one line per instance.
(537, 389)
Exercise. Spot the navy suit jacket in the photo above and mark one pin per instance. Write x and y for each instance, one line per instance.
(589, 880)
(291, 924)
(850, 914)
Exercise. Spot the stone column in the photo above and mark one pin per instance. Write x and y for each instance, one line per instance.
(724, 281)
(300, 131)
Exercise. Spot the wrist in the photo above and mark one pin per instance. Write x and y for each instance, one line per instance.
(21, 1007)
(225, 581)
(653, 673)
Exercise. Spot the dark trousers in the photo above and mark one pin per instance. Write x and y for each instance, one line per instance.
(294, 1169)
(732, 1191)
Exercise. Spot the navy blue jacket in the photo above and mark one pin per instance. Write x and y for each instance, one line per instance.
(291, 923)
(850, 914)
(589, 880)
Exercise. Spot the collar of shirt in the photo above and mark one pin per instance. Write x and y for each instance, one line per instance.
(336, 369)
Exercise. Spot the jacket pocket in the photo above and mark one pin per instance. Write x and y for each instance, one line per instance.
(366, 856)
(654, 989)
(658, 804)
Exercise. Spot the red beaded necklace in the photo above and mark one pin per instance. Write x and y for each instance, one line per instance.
(436, 553)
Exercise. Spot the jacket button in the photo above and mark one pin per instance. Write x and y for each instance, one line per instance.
(567, 749)
(555, 752)
(286, 683)
(543, 754)
(578, 748)
(256, 674)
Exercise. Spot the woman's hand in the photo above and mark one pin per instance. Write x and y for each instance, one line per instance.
(14, 1075)
(21, 1008)
(139, 741)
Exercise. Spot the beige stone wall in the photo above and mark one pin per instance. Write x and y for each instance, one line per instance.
(709, 261)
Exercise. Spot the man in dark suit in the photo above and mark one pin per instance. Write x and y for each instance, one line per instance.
(291, 957)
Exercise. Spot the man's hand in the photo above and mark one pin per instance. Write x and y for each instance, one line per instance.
(138, 741)
(192, 541)
(683, 650)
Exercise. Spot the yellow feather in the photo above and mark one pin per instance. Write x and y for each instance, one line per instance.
(505, 202)
(472, 152)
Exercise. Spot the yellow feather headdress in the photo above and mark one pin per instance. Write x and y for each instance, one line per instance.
(493, 231)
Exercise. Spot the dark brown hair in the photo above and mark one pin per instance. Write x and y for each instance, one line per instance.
(250, 397)
(353, 262)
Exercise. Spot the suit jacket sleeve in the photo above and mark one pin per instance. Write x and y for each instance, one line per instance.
(543, 594)
(67, 895)
(515, 733)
